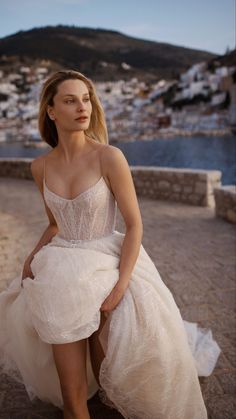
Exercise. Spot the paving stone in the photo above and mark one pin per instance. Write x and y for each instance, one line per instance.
(228, 382)
(223, 407)
(196, 313)
(210, 387)
(228, 297)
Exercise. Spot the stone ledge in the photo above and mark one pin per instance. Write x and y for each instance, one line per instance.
(16, 167)
(225, 202)
(190, 186)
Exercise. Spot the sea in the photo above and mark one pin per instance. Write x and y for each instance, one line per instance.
(211, 153)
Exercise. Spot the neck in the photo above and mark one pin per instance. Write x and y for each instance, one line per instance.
(71, 144)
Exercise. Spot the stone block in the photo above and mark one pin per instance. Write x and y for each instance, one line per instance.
(200, 188)
(188, 189)
(164, 184)
(176, 187)
(225, 200)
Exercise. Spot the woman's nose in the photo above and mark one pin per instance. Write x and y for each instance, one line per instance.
(80, 106)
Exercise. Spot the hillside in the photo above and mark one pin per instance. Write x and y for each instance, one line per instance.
(228, 60)
(101, 54)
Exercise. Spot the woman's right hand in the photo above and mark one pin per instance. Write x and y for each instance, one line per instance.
(27, 269)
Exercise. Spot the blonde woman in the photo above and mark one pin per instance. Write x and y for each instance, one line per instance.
(90, 310)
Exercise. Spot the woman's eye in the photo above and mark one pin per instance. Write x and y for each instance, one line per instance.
(73, 101)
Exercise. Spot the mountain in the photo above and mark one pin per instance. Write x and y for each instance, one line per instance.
(100, 54)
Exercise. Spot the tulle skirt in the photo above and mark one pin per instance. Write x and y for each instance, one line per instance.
(152, 356)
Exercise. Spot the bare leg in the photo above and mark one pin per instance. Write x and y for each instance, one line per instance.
(70, 360)
(96, 352)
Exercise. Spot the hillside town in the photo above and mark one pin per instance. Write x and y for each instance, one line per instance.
(201, 102)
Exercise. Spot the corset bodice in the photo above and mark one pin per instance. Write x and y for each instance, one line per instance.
(90, 215)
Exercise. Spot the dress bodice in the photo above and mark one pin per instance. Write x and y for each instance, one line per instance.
(90, 215)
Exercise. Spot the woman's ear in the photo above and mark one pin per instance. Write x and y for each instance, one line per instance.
(50, 113)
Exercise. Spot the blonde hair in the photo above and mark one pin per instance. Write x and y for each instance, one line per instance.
(97, 128)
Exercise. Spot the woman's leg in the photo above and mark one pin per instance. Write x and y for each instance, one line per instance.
(70, 360)
(96, 352)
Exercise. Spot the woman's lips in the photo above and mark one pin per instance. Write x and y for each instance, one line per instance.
(81, 119)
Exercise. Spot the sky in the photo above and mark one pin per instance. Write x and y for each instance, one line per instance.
(200, 24)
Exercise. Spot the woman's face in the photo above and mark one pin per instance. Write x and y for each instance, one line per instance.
(72, 108)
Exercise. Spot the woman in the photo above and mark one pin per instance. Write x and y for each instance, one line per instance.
(90, 310)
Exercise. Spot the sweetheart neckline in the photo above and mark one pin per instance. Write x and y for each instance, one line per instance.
(80, 194)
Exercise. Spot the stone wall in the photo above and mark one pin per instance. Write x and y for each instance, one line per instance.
(225, 202)
(16, 168)
(188, 186)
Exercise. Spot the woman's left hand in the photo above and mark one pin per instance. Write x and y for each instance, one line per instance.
(113, 299)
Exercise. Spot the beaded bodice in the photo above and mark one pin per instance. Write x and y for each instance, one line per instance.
(90, 215)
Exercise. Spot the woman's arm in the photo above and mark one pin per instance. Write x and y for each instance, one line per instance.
(118, 172)
(52, 229)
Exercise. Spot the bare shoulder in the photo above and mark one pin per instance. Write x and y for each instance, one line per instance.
(112, 158)
(36, 168)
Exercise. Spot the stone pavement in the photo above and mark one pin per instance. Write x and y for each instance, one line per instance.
(195, 255)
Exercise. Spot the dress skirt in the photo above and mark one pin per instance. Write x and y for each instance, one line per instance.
(152, 356)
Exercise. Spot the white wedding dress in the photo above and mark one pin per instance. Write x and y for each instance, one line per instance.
(153, 357)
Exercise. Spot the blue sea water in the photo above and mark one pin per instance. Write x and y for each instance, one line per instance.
(214, 153)
(210, 153)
